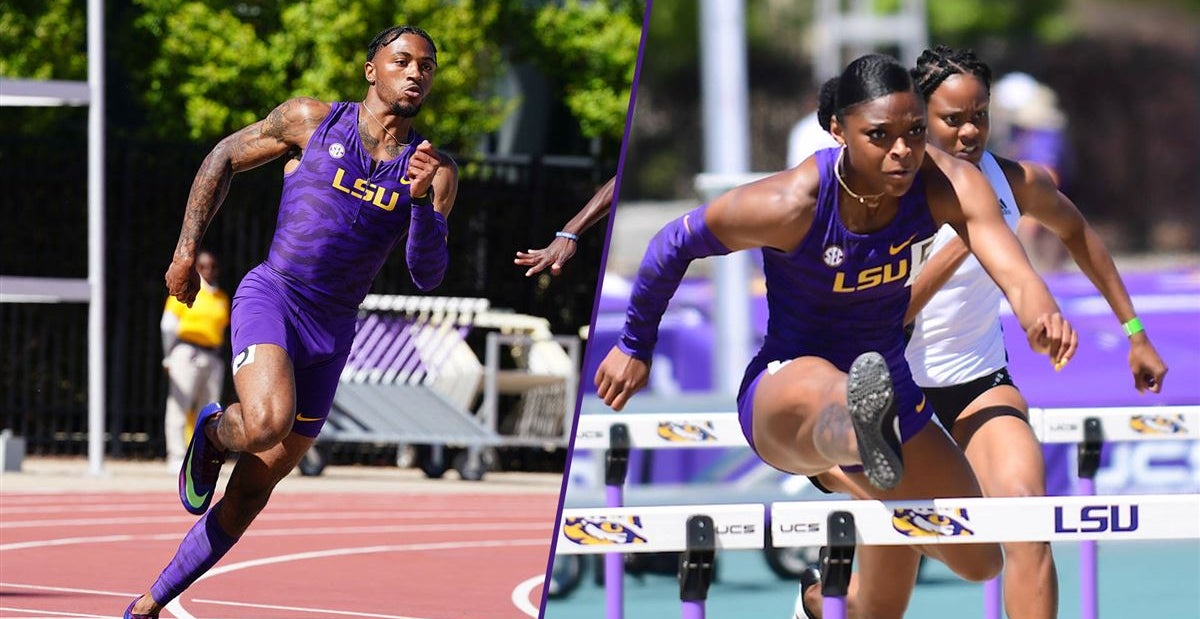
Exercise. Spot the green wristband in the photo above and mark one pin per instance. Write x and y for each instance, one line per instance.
(1133, 327)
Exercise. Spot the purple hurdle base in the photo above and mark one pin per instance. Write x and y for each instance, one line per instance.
(993, 603)
(614, 565)
(833, 608)
(692, 610)
(1088, 600)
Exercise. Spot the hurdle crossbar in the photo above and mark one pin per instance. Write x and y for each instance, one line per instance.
(661, 528)
(994, 520)
(604, 530)
(1050, 425)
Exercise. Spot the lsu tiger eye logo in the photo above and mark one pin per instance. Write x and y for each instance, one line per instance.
(604, 531)
(1158, 424)
(684, 432)
(930, 522)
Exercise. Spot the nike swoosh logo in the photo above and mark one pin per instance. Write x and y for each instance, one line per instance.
(895, 249)
(196, 500)
(921, 406)
(404, 180)
(301, 417)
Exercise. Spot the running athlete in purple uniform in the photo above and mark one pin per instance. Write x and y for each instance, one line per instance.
(957, 353)
(358, 182)
(842, 236)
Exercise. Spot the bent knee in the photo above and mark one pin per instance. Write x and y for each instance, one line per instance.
(983, 564)
(266, 426)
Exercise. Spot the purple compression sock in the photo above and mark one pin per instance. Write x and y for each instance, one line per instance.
(663, 266)
(202, 547)
(426, 252)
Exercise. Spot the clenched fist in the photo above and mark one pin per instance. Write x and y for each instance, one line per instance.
(183, 280)
(1052, 335)
(423, 164)
(619, 377)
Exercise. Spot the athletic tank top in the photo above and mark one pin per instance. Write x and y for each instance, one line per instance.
(339, 219)
(957, 336)
(840, 294)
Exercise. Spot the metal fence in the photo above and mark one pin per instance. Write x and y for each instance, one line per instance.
(504, 204)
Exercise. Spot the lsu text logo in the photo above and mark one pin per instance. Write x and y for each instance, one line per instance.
(931, 522)
(684, 432)
(1158, 424)
(365, 191)
(604, 531)
(887, 273)
(1096, 518)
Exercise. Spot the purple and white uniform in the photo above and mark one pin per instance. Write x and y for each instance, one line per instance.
(339, 220)
(840, 294)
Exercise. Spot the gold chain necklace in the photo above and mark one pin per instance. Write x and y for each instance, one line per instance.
(385, 129)
(868, 201)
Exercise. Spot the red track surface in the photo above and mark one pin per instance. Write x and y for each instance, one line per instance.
(381, 555)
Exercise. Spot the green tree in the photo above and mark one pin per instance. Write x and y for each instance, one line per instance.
(200, 69)
(219, 68)
(43, 39)
(591, 49)
(962, 21)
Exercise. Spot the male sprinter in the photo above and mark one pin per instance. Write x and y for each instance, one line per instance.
(358, 181)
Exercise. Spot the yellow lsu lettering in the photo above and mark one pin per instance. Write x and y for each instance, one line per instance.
(365, 191)
(872, 277)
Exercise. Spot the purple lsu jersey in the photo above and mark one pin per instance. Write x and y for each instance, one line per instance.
(339, 217)
(840, 293)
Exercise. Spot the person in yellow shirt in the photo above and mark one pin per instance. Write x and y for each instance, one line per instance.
(192, 357)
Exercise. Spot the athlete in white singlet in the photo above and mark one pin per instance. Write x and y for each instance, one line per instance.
(957, 338)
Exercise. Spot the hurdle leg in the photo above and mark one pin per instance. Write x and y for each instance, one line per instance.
(993, 598)
(696, 566)
(1088, 463)
(835, 574)
(616, 466)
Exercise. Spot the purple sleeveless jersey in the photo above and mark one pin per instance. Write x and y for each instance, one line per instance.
(339, 219)
(840, 294)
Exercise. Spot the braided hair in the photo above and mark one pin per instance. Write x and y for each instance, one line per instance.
(939, 63)
(386, 37)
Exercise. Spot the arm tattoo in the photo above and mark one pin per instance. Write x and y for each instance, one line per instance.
(834, 434)
(207, 193)
(252, 146)
(273, 125)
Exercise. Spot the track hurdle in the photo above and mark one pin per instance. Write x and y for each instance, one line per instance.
(1088, 427)
(698, 531)
(841, 524)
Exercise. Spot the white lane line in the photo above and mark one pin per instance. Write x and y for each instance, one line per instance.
(439, 515)
(68, 590)
(365, 530)
(16, 507)
(303, 609)
(521, 593)
(50, 614)
(60, 508)
(177, 609)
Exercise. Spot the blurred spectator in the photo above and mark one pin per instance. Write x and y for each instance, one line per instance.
(192, 341)
(1028, 125)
